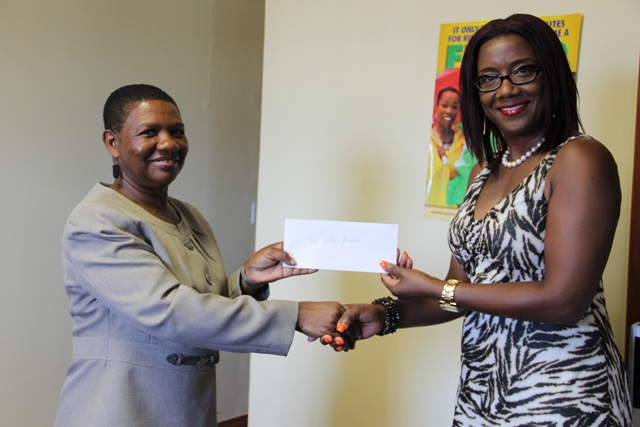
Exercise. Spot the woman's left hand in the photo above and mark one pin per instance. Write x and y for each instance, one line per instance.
(404, 260)
(407, 283)
(265, 266)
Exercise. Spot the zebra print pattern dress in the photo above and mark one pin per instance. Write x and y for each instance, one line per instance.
(521, 373)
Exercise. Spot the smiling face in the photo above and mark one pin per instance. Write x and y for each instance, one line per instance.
(518, 111)
(447, 109)
(150, 148)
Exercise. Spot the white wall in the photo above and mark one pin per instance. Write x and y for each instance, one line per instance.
(59, 62)
(347, 96)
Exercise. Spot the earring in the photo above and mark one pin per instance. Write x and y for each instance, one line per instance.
(115, 169)
(484, 126)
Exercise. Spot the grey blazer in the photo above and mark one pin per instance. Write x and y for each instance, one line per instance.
(149, 303)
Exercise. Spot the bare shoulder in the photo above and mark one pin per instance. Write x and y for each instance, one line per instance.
(584, 157)
(585, 152)
(475, 170)
(584, 162)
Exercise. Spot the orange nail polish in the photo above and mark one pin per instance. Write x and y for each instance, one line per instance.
(327, 339)
(384, 264)
(339, 341)
(341, 327)
(338, 348)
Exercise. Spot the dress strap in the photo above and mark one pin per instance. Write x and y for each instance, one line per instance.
(571, 138)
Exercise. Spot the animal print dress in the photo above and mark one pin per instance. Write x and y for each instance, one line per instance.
(521, 373)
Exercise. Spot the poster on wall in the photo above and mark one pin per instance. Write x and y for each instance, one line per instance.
(450, 162)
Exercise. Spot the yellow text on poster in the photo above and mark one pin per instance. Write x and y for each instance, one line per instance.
(455, 37)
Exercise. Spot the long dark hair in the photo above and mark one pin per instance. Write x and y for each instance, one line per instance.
(560, 92)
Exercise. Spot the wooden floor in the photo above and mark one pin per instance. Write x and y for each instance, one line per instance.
(241, 421)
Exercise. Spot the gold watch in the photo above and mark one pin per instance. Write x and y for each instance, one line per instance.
(448, 301)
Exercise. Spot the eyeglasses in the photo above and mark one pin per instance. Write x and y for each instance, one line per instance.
(519, 76)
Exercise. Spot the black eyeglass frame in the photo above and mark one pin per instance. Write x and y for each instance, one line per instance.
(508, 77)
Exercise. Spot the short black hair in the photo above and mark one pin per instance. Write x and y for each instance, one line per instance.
(125, 99)
(560, 91)
(446, 89)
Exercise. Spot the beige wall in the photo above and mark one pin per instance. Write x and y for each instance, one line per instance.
(59, 61)
(347, 95)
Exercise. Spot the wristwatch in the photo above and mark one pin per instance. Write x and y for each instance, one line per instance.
(448, 301)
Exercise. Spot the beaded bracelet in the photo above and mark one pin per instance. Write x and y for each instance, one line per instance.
(392, 316)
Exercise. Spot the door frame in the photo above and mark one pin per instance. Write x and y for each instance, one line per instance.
(633, 278)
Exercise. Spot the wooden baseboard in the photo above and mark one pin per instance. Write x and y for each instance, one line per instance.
(241, 421)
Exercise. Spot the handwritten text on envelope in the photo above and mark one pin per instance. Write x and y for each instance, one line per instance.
(338, 245)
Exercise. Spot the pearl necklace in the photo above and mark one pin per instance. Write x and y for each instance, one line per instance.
(507, 164)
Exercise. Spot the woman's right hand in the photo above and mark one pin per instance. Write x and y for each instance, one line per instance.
(319, 320)
(362, 321)
(358, 322)
(265, 266)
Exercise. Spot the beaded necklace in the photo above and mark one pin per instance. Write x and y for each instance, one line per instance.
(507, 164)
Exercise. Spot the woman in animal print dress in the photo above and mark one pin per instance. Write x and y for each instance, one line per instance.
(529, 246)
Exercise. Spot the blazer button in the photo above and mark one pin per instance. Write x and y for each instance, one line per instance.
(188, 243)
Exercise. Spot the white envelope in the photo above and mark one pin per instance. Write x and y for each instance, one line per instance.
(339, 245)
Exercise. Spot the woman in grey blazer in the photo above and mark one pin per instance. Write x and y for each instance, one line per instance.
(150, 301)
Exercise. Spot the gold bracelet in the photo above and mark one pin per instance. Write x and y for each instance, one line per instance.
(448, 301)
